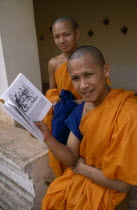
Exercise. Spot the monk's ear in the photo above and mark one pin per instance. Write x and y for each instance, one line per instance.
(77, 33)
(106, 69)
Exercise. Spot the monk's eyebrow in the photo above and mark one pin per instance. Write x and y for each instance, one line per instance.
(88, 72)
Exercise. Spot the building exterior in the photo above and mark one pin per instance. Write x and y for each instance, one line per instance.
(26, 45)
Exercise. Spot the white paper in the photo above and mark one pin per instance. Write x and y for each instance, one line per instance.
(26, 104)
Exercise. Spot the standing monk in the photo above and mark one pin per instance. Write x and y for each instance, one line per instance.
(65, 33)
(102, 145)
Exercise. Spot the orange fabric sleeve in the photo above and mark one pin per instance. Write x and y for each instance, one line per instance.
(57, 167)
(53, 94)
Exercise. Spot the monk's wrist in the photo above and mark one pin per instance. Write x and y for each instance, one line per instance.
(47, 137)
(81, 168)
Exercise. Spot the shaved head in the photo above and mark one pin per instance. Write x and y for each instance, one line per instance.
(72, 22)
(93, 51)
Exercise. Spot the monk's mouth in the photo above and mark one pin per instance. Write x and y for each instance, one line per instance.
(87, 93)
(64, 46)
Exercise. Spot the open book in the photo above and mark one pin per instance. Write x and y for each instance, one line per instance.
(26, 104)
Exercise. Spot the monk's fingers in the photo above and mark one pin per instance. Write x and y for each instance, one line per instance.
(32, 135)
(41, 125)
(81, 160)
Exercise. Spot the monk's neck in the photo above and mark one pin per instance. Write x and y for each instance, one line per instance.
(102, 97)
(67, 54)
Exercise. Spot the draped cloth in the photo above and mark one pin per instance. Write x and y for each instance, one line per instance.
(63, 81)
(110, 144)
(61, 112)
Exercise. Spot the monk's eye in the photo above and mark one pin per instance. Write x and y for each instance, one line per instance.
(66, 35)
(56, 37)
(88, 75)
(74, 78)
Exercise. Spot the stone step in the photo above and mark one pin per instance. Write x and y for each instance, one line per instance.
(11, 200)
(4, 206)
(24, 169)
(15, 187)
(14, 174)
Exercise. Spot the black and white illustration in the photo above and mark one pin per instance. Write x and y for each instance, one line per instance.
(23, 96)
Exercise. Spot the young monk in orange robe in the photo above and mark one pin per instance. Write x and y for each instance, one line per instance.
(63, 81)
(101, 149)
(65, 32)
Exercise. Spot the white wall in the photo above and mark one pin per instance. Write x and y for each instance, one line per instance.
(19, 42)
(3, 78)
(119, 49)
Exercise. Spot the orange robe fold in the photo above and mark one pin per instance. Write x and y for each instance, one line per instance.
(110, 144)
(63, 81)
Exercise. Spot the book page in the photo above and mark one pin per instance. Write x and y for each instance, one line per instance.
(28, 100)
(12, 111)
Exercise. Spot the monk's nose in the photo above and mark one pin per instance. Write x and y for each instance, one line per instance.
(62, 39)
(83, 84)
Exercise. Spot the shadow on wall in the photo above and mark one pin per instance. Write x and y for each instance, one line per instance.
(45, 87)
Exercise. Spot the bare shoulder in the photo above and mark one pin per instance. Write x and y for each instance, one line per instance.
(52, 65)
(56, 62)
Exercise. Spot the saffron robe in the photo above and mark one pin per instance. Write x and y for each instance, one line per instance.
(63, 81)
(110, 144)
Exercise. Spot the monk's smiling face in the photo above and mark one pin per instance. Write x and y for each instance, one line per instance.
(65, 36)
(89, 78)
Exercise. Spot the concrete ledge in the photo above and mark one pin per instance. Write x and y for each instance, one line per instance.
(24, 169)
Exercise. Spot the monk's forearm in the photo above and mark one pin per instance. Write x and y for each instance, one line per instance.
(61, 152)
(98, 177)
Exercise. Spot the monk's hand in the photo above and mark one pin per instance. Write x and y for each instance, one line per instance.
(54, 103)
(79, 101)
(78, 167)
(44, 129)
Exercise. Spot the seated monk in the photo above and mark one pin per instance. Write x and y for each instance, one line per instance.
(65, 33)
(101, 149)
